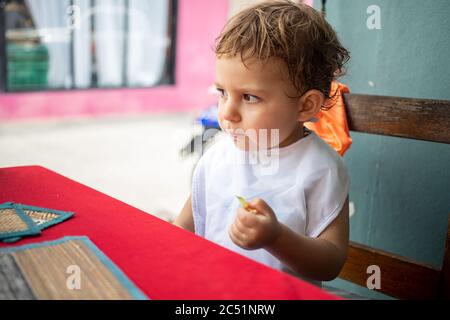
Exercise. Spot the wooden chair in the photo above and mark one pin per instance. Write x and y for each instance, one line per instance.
(414, 119)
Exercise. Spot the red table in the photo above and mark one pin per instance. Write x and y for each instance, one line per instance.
(164, 261)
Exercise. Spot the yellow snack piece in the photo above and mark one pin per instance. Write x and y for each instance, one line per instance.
(245, 204)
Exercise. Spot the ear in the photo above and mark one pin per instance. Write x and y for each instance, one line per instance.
(309, 104)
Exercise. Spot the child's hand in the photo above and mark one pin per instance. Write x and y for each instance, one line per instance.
(255, 230)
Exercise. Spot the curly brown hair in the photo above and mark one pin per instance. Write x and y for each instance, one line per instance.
(293, 32)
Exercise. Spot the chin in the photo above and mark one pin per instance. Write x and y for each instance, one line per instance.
(240, 143)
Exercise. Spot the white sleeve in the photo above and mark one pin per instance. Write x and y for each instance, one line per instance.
(325, 195)
(198, 198)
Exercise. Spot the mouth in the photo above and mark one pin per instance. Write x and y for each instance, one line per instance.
(235, 133)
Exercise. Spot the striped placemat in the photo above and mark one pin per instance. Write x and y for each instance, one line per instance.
(70, 268)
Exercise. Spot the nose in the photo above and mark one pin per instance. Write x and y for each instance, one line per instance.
(230, 110)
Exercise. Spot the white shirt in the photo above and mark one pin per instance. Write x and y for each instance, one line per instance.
(305, 183)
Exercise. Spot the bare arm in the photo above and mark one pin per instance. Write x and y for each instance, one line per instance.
(185, 219)
(319, 258)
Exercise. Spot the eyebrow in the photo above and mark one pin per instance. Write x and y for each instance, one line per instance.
(218, 85)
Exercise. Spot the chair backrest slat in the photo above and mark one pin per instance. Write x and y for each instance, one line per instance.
(420, 119)
(399, 277)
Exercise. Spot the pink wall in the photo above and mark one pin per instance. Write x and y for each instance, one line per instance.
(199, 22)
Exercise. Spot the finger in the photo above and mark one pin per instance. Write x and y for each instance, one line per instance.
(235, 236)
(238, 239)
(239, 225)
(243, 229)
(237, 233)
(261, 206)
(246, 218)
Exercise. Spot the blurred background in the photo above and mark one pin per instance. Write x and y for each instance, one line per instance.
(108, 92)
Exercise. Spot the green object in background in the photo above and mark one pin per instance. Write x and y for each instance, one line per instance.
(27, 65)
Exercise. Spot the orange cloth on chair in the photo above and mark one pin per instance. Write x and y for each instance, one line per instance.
(332, 124)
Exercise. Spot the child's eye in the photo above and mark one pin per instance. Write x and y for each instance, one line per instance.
(250, 98)
(221, 93)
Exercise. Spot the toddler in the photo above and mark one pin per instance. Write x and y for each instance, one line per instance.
(275, 63)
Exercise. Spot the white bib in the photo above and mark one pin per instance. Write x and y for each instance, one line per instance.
(305, 183)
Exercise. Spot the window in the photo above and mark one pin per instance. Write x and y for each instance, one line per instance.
(80, 44)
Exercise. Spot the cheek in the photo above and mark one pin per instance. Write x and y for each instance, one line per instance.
(220, 112)
(220, 119)
(268, 121)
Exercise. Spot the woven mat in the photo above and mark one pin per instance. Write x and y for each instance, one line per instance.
(18, 220)
(44, 217)
(65, 269)
(14, 223)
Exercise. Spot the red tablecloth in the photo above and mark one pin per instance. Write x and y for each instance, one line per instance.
(164, 261)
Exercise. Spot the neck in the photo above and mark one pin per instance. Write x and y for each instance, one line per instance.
(296, 135)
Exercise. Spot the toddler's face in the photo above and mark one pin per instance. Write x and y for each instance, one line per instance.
(254, 97)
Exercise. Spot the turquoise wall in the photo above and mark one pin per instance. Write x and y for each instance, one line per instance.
(400, 188)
